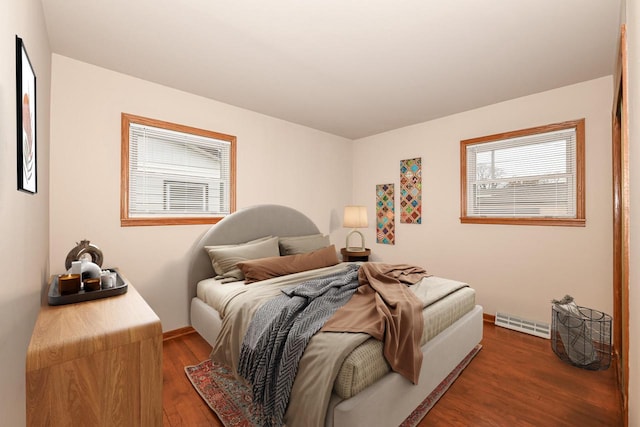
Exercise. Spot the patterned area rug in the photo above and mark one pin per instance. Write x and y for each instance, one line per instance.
(231, 400)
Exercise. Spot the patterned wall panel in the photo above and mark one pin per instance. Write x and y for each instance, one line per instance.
(411, 191)
(385, 214)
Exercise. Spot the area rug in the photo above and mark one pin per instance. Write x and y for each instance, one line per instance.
(231, 400)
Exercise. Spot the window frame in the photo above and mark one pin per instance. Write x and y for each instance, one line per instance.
(125, 219)
(578, 221)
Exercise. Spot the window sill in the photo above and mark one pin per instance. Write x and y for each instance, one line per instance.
(565, 222)
(134, 222)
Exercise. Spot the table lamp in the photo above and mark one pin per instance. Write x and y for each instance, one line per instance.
(355, 217)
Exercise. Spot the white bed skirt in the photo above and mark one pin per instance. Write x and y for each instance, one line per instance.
(441, 355)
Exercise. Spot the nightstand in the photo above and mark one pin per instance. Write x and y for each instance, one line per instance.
(349, 254)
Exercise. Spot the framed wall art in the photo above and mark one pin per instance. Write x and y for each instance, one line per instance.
(26, 120)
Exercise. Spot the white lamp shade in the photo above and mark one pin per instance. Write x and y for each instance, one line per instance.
(355, 217)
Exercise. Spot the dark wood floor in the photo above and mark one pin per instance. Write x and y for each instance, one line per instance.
(516, 380)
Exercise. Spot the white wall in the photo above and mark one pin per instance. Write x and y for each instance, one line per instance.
(633, 42)
(277, 162)
(24, 223)
(515, 269)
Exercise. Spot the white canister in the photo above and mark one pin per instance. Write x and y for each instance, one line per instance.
(108, 279)
(76, 268)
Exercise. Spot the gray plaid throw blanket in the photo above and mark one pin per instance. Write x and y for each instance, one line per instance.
(279, 333)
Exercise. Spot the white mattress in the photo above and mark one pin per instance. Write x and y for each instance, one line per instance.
(366, 364)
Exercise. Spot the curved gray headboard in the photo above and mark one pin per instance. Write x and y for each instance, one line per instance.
(244, 225)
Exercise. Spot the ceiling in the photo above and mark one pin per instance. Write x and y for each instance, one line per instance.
(352, 68)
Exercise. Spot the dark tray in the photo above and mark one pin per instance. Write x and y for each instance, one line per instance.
(56, 299)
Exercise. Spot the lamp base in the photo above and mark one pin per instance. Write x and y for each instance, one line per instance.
(361, 248)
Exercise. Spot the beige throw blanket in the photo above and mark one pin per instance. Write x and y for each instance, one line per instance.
(385, 308)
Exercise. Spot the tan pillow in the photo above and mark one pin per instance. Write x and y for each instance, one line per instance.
(266, 268)
(227, 258)
(214, 264)
(303, 244)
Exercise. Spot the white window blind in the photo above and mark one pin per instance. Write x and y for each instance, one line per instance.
(532, 176)
(177, 174)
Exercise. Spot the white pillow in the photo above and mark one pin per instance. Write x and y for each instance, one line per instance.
(227, 258)
(214, 264)
(303, 244)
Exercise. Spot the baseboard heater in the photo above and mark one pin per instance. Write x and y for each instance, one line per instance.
(531, 327)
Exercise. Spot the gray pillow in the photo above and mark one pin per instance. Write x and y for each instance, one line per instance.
(224, 259)
(303, 244)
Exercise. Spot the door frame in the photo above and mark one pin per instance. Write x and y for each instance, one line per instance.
(620, 159)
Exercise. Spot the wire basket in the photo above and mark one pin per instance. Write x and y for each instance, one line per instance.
(581, 338)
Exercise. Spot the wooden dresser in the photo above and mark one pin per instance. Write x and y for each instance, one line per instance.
(96, 363)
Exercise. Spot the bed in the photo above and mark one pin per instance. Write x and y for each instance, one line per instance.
(358, 385)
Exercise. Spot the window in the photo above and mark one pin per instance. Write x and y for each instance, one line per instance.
(174, 174)
(529, 177)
